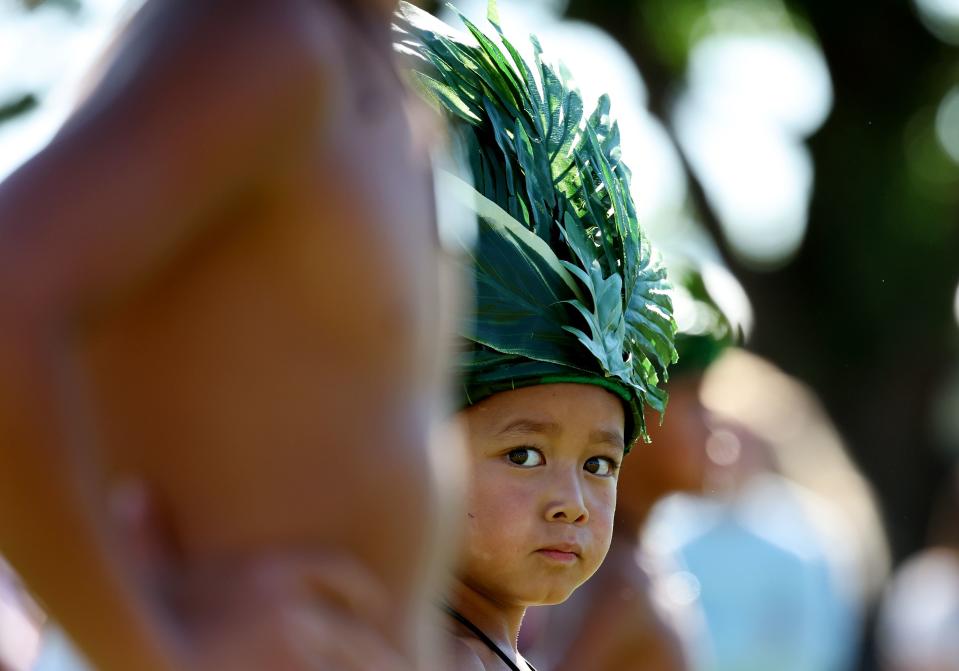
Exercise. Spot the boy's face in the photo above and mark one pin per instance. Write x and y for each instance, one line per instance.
(544, 465)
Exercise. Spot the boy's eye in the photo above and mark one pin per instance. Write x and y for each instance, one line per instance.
(527, 457)
(602, 466)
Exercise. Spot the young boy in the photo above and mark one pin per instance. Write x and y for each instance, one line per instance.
(571, 329)
(220, 279)
(615, 622)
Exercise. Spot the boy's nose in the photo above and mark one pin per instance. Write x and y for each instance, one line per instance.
(568, 504)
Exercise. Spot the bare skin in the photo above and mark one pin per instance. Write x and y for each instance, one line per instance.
(612, 623)
(220, 280)
(544, 463)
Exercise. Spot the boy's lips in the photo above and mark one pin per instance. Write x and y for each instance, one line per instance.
(565, 552)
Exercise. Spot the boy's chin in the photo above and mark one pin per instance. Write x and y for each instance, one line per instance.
(551, 595)
(554, 601)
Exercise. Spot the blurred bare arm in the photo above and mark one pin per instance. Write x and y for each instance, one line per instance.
(204, 100)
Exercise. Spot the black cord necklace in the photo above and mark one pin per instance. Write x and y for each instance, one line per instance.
(487, 641)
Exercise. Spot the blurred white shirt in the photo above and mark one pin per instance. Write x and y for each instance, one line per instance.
(767, 578)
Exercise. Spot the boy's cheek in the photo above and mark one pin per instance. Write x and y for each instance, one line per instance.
(602, 512)
(602, 503)
(502, 512)
(497, 495)
(498, 517)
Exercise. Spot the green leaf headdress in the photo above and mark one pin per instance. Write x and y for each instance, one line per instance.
(567, 287)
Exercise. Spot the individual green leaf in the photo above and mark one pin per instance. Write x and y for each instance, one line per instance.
(582, 246)
(446, 96)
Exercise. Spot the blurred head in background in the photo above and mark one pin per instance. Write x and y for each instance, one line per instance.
(711, 313)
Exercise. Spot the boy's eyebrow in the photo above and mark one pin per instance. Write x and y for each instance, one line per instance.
(529, 426)
(613, 438)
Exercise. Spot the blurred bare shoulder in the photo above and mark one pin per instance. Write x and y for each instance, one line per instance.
(256, 53)
(195, 103)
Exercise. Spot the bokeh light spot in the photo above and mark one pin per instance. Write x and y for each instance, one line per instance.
(47, 52)
(751, 101)
(723, 448)
(955, 305)
(947, 123)
(757, 177)
(941, 17)
(779, 76)
(682, 588)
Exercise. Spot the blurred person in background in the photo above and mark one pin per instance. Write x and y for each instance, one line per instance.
(918, 626)
(624, 619)
(221, 279)
(786, 552)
